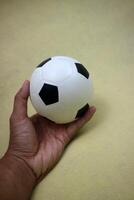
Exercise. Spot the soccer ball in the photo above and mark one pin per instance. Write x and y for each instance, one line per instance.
(61, 89)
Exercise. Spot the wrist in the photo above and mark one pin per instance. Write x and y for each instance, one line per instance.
(16, 176)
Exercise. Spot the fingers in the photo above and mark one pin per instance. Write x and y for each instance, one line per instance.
(74, 126)
(20, 102)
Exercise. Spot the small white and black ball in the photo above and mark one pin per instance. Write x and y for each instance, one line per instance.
(61, 89)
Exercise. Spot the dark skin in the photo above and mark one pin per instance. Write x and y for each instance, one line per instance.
(36, 145)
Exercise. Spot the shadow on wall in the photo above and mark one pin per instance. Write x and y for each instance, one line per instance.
(99, 117)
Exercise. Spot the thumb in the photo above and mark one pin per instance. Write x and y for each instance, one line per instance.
(20, 102)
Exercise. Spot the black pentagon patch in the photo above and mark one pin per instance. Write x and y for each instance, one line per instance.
(82, 70)
(49, 94)
(43, 62)
(82, 111)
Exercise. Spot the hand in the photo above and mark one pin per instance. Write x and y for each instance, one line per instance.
(38, 141)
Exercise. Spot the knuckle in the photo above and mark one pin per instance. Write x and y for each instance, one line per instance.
(11, 117)
(16, 96)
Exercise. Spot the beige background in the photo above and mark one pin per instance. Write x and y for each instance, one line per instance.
(99, 163)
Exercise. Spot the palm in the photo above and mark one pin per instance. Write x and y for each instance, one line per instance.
(49, 142)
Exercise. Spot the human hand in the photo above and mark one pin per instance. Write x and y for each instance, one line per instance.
(36, 144)
(38, 141)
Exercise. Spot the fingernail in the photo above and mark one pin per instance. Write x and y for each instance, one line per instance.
(25, 83)
(93, 108)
